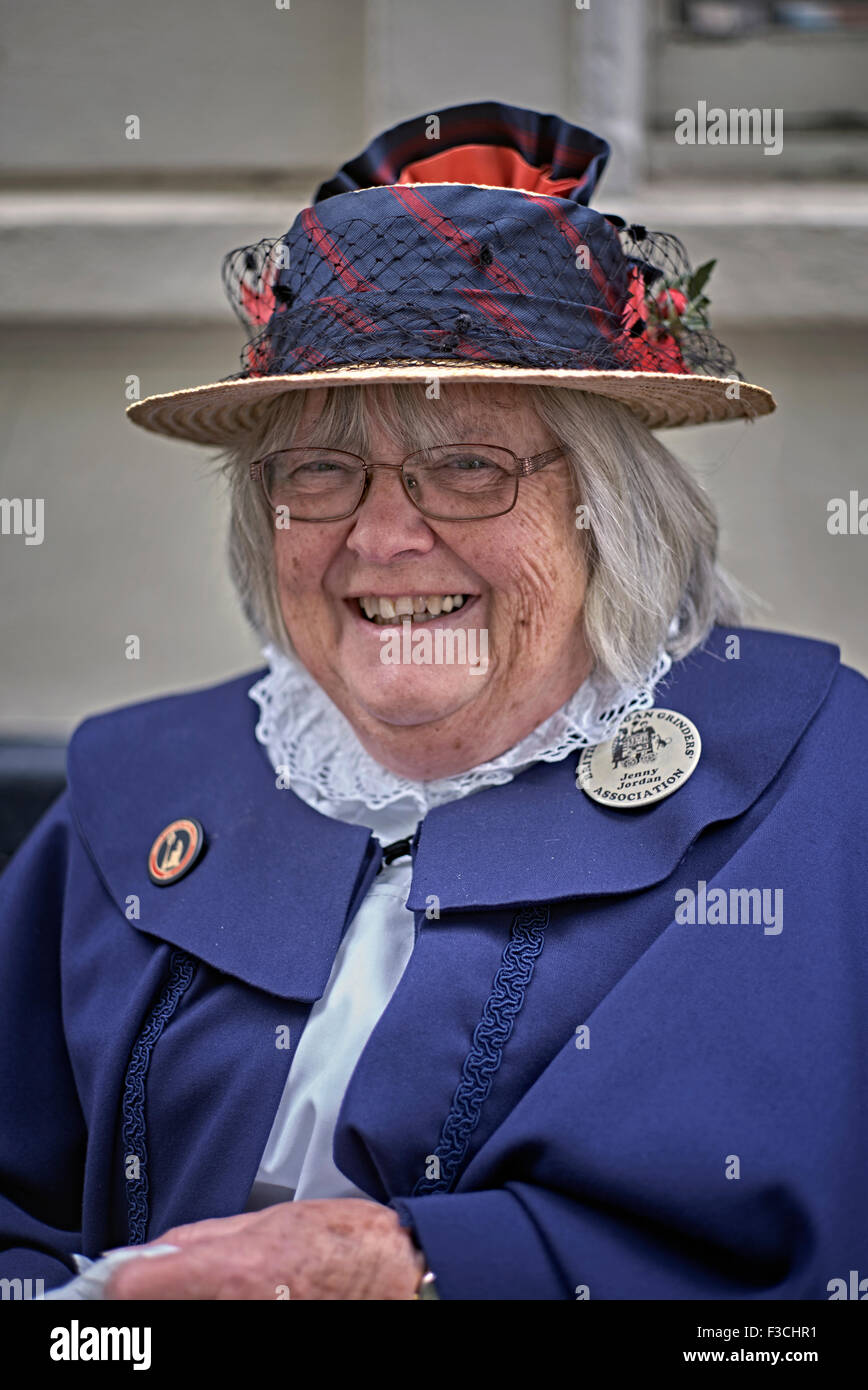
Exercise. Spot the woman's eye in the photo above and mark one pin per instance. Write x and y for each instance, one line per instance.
(317, 466)
(470, 463)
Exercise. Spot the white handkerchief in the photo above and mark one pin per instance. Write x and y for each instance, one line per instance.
(92, 1275)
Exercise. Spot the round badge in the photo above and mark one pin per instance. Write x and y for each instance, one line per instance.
(651, 756)
(175, 851)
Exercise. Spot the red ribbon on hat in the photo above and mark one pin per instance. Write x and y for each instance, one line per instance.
(495, 165)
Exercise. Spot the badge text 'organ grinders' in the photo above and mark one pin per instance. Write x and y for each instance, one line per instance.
(651, 756)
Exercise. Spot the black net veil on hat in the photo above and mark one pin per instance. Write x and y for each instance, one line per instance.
(412, 322)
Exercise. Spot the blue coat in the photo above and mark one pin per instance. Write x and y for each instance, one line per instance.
(705, 1136)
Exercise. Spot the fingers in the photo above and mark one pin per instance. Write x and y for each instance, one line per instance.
(139, 1279)
(201, 1271)
(219, 1259)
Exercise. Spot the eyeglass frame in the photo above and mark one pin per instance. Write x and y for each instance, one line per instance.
(525, 467)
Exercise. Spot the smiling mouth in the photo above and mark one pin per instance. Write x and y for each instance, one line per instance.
(418, 609)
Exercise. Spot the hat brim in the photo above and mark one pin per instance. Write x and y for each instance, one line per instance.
(221, 413)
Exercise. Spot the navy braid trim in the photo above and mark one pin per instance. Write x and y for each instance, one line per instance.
(490, 1036)
(181, 969)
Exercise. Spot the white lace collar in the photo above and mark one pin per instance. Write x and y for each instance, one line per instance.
(314, 746)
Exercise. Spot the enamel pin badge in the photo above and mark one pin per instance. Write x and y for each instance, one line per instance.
(651, 756)
(175, 851)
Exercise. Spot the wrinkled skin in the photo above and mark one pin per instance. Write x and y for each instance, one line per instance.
(526, 568)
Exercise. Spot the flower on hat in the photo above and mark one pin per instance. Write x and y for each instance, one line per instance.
(636, 310)
(259, 306)
(257, 299)
(661, 309)
(670, 302)
(648, 352)
(678, 303)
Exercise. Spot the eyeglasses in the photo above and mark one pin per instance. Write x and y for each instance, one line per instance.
(450, 482)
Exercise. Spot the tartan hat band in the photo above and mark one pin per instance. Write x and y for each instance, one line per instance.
(418, 271)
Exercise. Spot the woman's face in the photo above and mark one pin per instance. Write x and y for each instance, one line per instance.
(522, 577)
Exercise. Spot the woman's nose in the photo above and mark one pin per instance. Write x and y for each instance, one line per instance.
(387, 523)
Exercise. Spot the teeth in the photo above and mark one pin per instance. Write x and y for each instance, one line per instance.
(420, 608)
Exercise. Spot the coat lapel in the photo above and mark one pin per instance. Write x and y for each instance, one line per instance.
(269, 898)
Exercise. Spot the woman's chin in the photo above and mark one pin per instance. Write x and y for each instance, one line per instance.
(404, 696)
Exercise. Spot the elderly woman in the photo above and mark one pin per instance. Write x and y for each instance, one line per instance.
(495, 941)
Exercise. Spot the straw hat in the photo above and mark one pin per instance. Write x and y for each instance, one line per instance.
(461, 246)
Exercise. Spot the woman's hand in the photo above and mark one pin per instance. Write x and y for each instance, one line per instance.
(343, 1248)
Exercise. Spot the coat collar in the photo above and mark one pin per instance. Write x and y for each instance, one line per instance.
(271, 896)
(545, 839)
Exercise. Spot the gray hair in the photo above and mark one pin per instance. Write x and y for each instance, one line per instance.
(653, 579)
